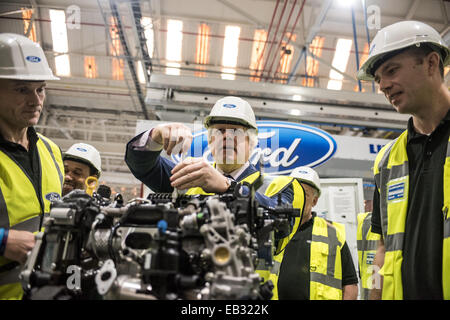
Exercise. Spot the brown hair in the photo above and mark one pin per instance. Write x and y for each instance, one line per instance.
(420, 52)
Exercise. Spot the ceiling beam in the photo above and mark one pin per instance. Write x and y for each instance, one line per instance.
(127, 52)
(412, 10)
(311, 34)
(238, 10)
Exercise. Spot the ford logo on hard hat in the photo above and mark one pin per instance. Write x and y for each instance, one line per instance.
(229, 105)
(282, 147)
(81, 149)
(33, 59)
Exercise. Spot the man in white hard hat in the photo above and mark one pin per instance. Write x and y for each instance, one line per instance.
(81, 161)
(412, 173)
(232, 135)
(31, 174)
(316, 263)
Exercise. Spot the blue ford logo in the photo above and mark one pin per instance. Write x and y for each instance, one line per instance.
(282, 147)
(81, 149)
(52, 196)
(33, 59)
(229, 105)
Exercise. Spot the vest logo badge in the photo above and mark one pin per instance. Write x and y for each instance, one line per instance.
(52, 196)
(370, 258)
(396, 191)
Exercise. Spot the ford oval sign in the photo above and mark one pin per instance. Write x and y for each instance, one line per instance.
(282, 146)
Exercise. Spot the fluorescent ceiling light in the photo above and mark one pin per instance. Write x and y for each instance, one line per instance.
(140, 72)
(202, 50)
(230, 46)
(62, 65)
(334, 84)
(174, 45)
(259, 38)
(117, 64)
(149, 34)
(27, 15)
(173, 68)
(230, 52)
(60, 44)
(312, 65)
(59, 31)
(342, 53)
(228, 74)
(340, 61)
(90, 67)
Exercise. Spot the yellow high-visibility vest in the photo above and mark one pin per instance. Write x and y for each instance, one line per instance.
(325, 262)
(367, 243)
(21, 205)
(391, 173)
(274, 187)
(279, 184)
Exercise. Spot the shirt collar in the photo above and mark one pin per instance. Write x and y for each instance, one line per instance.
(236, 173)
(32, 137)
(412, 132)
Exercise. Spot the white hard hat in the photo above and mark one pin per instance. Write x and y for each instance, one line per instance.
(308, 176)
(399, 36)
(23, 59)
(232, 109)
(85, 153)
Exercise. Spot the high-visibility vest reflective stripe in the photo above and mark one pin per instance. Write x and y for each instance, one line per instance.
(21, 205)
(367, 243)
(391, 173)
(325, 262)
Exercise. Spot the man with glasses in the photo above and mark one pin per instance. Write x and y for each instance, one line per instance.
(232, 136)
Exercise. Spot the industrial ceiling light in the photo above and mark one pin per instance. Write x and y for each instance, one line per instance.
(60, 43)
(230, 52)
(340, 60)
(257, 59)
(174, 46)
(149, 34)
(202, 49)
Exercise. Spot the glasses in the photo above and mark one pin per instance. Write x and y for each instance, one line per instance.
(228, 131)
